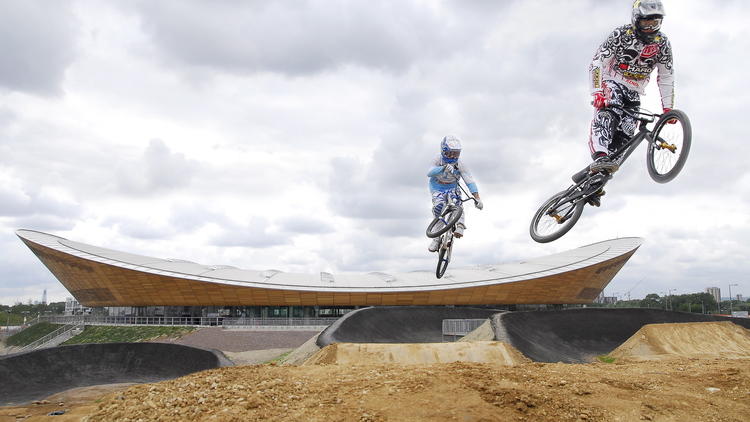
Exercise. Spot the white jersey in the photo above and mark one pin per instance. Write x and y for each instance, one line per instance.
(624, 58)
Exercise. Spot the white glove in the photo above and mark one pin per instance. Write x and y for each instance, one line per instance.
(449, 169)
(479, 204)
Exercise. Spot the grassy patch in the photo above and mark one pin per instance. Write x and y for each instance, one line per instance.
(31, 334)
(279, 358)
(107, 334)
(606, 359)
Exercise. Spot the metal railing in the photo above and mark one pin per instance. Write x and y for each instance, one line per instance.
(460, 327)
(226, 322)
(302, 324)
(137, 320)
(62, 331)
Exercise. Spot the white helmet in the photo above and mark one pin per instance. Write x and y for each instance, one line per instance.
(647, 17)
(450, 149)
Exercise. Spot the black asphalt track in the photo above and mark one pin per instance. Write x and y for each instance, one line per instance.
(34, 375)
(397, 324)
(580, 335)
(572, 336)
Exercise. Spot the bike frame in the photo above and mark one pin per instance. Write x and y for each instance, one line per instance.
(590, 184)
(446, 239)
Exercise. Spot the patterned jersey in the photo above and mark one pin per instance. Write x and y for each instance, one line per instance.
(440, 181)
(624, 58)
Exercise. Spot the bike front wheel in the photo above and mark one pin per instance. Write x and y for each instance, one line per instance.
(667, 154)
(444, 258)
(555, 217)
(445, 221)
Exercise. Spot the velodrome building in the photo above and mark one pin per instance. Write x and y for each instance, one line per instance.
(100, 277)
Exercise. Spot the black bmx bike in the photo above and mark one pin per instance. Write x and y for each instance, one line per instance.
(667, 150)
(444, 226)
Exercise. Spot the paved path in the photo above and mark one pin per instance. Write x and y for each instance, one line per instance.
(242, 341)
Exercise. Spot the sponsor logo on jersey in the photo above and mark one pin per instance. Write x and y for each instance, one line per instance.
(597, 77)
(650, 51)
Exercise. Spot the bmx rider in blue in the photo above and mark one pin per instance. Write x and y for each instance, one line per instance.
(445, 173)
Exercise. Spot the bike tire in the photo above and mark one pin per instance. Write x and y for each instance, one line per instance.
(662, 164)
(450, 220)
(560, 228)
(444, 258)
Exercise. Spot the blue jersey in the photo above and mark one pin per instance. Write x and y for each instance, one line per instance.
(440, 181)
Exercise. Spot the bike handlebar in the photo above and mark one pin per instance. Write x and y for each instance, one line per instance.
(637, 113)
(458, 182)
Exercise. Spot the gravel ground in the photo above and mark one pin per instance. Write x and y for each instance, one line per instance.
(243, 341)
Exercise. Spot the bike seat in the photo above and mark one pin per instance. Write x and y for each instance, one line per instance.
(580, 175)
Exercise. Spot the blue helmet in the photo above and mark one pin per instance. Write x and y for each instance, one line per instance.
(450, 149)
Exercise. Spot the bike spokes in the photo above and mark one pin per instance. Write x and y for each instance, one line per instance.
(668, 152)
(556, 216)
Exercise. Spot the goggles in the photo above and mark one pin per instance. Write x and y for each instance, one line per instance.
(452, 153)
(649, 24)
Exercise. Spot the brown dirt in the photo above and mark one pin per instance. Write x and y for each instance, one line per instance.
(671, 390)
(419, 353)
(695, 339)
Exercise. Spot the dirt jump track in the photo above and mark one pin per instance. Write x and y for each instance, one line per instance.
(580, 335)
(380, 365)
(571, 336)
(37, 374)
(397, 324)
(712, 340)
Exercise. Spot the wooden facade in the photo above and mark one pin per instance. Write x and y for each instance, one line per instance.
(95, 284)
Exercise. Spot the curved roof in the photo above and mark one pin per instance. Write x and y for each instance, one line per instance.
(547, 267)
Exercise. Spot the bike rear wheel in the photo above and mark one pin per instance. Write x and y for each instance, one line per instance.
(444, 258)
(447, 219)
(666, 156)
(555, 217)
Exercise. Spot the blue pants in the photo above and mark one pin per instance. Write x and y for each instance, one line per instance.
(440, 200)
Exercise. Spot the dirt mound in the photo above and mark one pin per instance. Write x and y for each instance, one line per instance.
(692, 340)
(669, 390)
(417, 353)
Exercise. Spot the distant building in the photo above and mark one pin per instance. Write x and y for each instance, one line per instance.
(606, 300)
(72, 307)
(715, 292)
(740, 298)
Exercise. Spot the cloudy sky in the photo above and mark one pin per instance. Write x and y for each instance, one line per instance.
(296, 135)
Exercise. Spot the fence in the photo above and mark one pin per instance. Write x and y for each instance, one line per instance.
(229, 323)
(303, 324)
(460, 327)
(54, 338)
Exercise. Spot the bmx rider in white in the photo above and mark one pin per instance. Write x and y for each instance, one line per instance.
(444, 175)
(619, 73)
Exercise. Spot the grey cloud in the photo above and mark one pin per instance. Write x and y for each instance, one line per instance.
(255, 234)
(20, 267)
(16, 202)
(37, 41)
(300, 37)
(304, 225)
(157, 171)
(369, 193)
(191, 216)
(44, 222)
(140, 229)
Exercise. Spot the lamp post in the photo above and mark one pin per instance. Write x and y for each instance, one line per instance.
(671, 308)
(730, 297)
